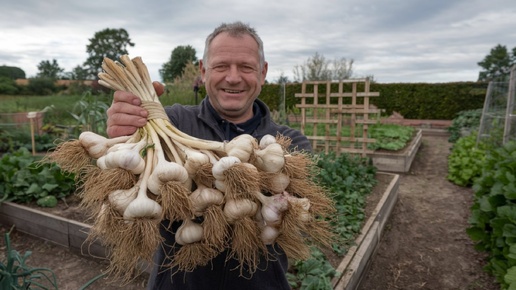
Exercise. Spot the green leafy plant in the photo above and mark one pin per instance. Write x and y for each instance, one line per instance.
(90, 113)
(16, 274)
(493, 214)
(468, 120)
(23, 179)
(390, 136)
(349, 178)
(313, 274)
(12, 140)
(466, 160)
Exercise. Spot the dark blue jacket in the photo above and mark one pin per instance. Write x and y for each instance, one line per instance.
(202, 122)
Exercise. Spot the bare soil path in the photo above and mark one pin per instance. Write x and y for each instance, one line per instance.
(425, 245)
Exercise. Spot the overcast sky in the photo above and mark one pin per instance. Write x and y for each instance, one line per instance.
(394, 40)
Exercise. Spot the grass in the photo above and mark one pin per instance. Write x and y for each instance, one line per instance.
(62, 106)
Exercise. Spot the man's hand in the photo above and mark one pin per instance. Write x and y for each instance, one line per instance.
(126, 115)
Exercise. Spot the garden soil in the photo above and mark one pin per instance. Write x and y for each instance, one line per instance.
(424, 244)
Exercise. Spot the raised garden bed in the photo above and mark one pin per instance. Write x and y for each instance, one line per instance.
(44, 223)
(399, 161)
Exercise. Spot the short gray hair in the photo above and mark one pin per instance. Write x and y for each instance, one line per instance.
(235, 29)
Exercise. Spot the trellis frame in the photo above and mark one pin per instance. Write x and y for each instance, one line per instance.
(337, 115)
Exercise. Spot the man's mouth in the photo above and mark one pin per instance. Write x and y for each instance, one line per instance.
(232, 91)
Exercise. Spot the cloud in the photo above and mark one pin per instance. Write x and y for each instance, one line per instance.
(395, 41)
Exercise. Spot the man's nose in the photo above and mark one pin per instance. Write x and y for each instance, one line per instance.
(233, 74)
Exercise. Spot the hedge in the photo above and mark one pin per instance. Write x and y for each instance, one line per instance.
(428, 101)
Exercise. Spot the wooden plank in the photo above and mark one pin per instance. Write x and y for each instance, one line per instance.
(347, 95)
(379, 215)
(352, 276)
(31, 228)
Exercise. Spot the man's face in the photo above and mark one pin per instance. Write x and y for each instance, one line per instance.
(232, 76)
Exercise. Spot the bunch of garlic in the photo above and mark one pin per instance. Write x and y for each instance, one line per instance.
(242, 194)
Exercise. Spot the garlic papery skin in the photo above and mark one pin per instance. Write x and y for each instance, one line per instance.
(220, 185)
(121, 198)
(222, 165)
(189, 232)
(236, 209)
(269, 234)
(101, 162)
(166, 171)
(203, 197)
(270, 159)
(302, 204)
(125, 159)
(272, 207)
(241, 147)
(278, 183)
(97, 145)
(194, 160)
(266, 140)
(142, 207)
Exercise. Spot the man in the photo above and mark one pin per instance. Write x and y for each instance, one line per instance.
(233, 70)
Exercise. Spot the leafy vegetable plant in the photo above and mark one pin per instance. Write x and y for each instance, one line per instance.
(466, 160)
(349, 178)
(390, 136)
(493, 216)
(23, 179)
(468, 120)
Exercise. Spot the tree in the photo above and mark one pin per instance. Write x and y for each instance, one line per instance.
(12, 72)
(79, 73)
(179, 58)
(497, 64)
(110, 43)
(282, 79)
(51, 70)
(318, 68)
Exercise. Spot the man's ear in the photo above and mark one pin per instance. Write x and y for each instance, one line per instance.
(203, 70)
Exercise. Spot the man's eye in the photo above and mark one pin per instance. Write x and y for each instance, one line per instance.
(247, 69)
(220, 68)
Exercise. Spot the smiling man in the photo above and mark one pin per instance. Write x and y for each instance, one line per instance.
(233, 70)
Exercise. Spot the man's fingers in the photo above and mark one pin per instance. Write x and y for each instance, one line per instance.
(159, 88)
(126, 108)
(117, 131)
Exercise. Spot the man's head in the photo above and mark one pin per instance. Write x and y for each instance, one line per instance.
(233, 69)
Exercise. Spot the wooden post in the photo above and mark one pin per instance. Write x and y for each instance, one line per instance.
(31, 116)
(510, 105)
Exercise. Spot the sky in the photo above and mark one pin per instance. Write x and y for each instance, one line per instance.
(395, 41)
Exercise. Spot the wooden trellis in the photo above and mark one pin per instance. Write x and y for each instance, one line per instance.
(337, 120)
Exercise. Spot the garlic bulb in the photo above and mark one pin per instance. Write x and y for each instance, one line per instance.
(270, 159)
(142, 206)
(189, 232)
(222, 165)
(278, 183)
(269, 234)
(125, 159)
(166, 171)
(203, 197)
(272, 207)
(194, 160)
(266, 140)
(236, 209)
(97, 145)
(241, 147)
(121, 198)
